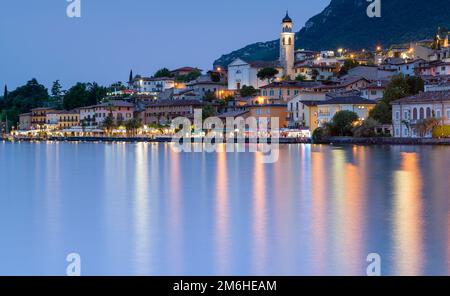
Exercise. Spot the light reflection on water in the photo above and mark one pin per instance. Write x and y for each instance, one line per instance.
(136, 209)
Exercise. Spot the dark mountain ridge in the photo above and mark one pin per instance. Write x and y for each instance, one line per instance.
(344, 23)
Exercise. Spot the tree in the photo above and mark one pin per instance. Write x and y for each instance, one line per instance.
(267, 73)
(366, 129)
(132, 126)
(5, 93)
(83, 94)
(402, 86)
(300, 77)
(130, 79)
(189, 77)
(209, 97)
(399, 87)
(426, 126)
(348, 64)
(248, 91)
(214, 76)
(56, 94)
(208, 111)
(381, 113)
(109, 124)
(164, 72)
(77, 96)
(343, 122)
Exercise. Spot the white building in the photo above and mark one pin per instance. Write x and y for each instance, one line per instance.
(120, 111)
(408, 112)
(374, 91)
(241, 72)
(401, 66)
(152, 85)
(302, 110)
(327, 109)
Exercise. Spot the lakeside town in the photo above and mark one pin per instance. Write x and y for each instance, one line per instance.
(390, 91)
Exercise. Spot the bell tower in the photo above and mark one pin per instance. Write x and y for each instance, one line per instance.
(287, 46)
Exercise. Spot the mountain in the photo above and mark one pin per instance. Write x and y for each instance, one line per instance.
(344, 23)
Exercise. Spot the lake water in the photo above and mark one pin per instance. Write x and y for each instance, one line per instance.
(142, 209)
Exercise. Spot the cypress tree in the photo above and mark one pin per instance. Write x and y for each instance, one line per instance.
(131, 76)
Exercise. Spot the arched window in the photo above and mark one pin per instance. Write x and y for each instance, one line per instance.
(428, 112)
(415, 114)
(290, 41)
(421, 113)
(284, 41)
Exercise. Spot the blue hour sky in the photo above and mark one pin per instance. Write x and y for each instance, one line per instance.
(38, 40)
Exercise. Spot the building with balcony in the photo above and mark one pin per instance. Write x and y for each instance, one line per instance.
(163, 112)
(120, 111)
(408, 112)
(62, 119)
(39, 117)
(284, 91)
(150, 85)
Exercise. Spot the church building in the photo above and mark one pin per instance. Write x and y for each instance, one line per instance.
(242, 72)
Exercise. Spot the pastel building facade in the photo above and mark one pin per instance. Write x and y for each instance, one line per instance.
(327, 109)
(408, 112)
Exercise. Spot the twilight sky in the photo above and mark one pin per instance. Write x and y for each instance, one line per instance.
(38, 40)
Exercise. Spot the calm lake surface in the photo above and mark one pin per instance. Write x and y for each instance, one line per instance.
(142, 209)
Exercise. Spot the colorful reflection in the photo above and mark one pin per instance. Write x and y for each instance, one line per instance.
(259, 231)
(222, 216)
(408, 217)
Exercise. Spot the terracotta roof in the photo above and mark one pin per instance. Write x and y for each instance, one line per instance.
(115, 103)
(425, 97)
(293, 84)
(353, 100)
(234, 114)
(265, 64)
(309, 103)
(164, 103)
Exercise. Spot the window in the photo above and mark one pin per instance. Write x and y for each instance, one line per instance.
(421, 113)
(264, 92)
(373, 92)
(397, 115)
(295, 92)
(448, 113)
(415, 113)
(428, 112)
(406, 114)
(288, 92)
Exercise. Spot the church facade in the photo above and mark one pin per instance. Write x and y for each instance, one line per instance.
(241, 72)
